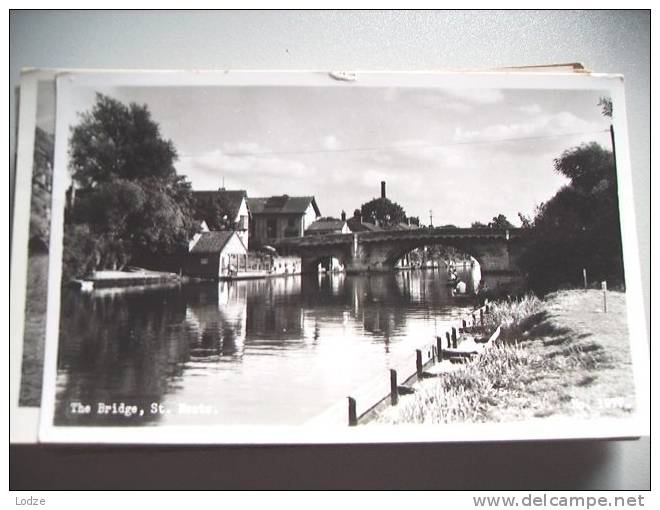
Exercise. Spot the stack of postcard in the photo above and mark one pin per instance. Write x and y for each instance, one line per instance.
(313, 257)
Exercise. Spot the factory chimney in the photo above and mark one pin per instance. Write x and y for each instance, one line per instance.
(382, 189)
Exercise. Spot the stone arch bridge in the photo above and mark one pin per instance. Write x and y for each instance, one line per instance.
(496, 250)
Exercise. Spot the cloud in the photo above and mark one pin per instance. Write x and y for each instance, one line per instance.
(545, 125)
(250, 166)
(459, 101)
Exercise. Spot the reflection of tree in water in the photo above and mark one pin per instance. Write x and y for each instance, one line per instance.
(216, 316)
(124, 348)
(377, 305)
(134, 347)
(274, 311)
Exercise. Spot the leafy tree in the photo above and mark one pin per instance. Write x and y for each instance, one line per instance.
(383, 210)
(118, 141)
(130, 204)
(500, 221)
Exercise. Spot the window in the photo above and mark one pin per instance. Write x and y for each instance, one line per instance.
(242, 223)
(204, 261)
(292, 229)
(271, 228)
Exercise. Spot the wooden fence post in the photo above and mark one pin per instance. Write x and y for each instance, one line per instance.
(481, 316)
(604, 287)
(448, 340)
(352, 412)
(394, 388)
(464, 324)
(418, 363)
(584, 277)
(487, 308)
(439, 347)
(454, 338)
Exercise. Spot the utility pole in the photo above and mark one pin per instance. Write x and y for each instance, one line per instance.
(431, 215)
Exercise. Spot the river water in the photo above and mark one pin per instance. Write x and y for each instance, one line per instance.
(270, 351)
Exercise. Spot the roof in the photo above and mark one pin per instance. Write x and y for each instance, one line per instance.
(326, 225)
(283, 204)
(212, 242)
(362, 226)
(213, 205)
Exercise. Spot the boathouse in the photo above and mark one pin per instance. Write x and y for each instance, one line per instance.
(216, 254)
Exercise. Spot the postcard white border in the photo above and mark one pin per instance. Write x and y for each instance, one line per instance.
(547, 428)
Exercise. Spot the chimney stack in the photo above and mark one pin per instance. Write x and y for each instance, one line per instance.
(382, 189)
(343, 215)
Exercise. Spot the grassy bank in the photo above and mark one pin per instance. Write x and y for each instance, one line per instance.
(561, 356)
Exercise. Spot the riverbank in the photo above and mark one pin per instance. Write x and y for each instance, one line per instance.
(562, 356)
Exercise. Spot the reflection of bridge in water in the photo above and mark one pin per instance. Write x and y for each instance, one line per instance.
(496, 250)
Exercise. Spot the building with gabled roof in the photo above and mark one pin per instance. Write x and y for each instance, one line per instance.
(216, 254)
(278, 217)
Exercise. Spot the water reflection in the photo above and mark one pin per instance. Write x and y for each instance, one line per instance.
(266, 351)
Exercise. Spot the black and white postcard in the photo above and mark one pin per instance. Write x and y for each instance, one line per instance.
(296, 257)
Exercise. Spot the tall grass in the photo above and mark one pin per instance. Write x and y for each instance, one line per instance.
(511, 315)
(466, 394)
(510, 380)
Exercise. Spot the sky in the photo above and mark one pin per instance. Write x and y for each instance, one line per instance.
(464, 154)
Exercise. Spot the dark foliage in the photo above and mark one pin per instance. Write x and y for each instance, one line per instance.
(129, 203)
(579, 227)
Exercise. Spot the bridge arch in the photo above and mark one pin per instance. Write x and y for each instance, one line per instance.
(395, 253)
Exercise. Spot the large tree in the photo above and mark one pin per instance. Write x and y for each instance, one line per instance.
(129, 202)
(383, 210)
(578, 227)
